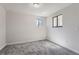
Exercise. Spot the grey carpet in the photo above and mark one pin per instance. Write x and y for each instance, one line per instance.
(42, 47)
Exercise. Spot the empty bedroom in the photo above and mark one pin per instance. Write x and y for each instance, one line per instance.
(39, 28)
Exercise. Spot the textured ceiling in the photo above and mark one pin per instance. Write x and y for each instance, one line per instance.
(45, 9)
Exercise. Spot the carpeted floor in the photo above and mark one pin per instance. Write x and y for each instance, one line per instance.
(42, 47)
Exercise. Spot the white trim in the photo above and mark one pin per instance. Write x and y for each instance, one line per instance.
(19, 42)
(2, 46)
(66, 47)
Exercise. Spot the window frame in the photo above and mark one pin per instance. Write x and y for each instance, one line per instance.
(56, 21)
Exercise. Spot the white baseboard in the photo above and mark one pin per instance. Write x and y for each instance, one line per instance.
(65, 47)
(19, 42)
(2, 46)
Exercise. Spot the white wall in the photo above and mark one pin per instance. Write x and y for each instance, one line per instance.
(2, 27)
(22, 28)
(68, 35)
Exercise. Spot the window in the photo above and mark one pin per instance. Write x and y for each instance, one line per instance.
(40, 21)
(57, 21)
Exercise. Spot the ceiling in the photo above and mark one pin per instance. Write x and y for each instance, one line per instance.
(45, 9)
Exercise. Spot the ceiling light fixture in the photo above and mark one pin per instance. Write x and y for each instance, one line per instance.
(36, 5)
